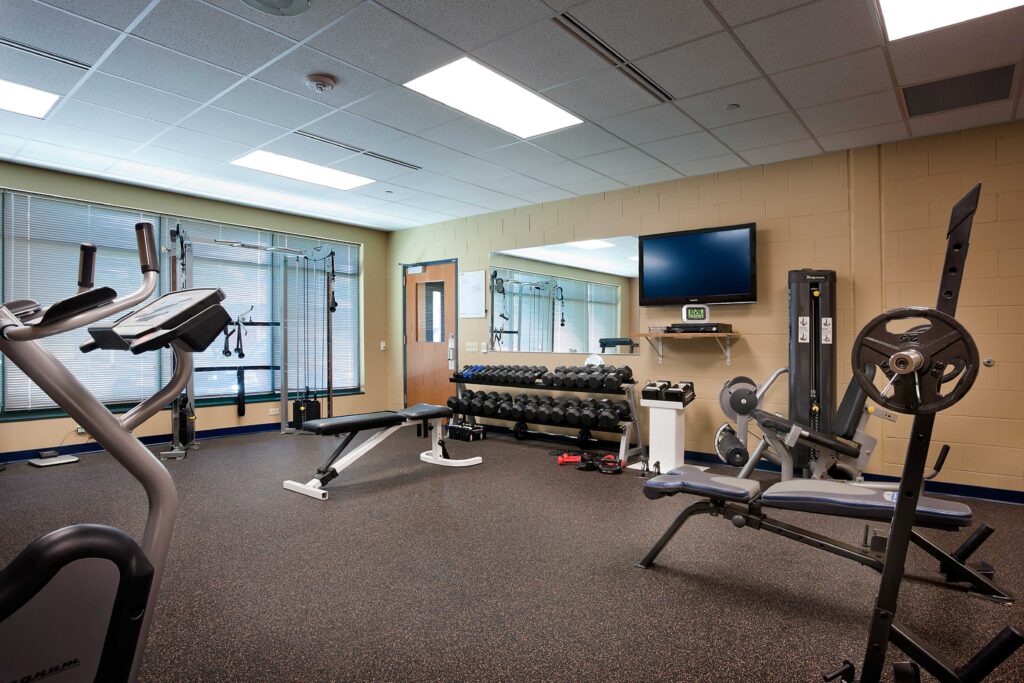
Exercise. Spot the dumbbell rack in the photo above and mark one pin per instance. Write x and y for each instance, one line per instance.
(626, 428)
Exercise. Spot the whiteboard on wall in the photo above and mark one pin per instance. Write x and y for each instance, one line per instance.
(471, 295)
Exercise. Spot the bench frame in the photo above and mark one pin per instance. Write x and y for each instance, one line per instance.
(336, 462)
(953, 566)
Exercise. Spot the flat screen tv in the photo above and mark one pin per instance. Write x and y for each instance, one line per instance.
(710, 266)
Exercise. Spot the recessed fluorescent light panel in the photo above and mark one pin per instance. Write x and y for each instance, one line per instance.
(484, 94)
(21, 99)
(909, 17)
(296, 169)
(592, 244)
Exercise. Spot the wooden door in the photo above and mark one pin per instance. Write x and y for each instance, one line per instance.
(430, 320)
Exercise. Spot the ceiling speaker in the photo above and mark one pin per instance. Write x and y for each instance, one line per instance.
(281, 8)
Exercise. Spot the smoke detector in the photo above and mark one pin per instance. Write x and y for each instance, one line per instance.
(321, 83)
(280, 8)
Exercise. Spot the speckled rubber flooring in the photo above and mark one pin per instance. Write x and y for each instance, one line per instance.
(514, 570)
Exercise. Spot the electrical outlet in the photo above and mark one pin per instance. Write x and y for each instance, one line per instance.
(275, 411)
(471, 347)
(383, 346)
(483, 347)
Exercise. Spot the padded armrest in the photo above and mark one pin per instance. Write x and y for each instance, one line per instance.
(782, 426)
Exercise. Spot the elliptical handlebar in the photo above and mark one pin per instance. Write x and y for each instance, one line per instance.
(150, 266)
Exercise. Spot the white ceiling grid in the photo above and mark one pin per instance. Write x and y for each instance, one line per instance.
(166, 93)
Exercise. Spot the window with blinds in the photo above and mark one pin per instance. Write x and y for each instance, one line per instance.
(41, 237)
(553, 314)
(40, 245)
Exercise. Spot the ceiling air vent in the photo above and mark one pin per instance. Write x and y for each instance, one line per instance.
(960, 91)
(43, 53)
(359, 150)
(577, 30)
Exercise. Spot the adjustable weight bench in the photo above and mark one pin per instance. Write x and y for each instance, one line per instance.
(386, 423)
(742, 502)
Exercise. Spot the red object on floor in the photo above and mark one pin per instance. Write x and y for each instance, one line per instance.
(566, 459)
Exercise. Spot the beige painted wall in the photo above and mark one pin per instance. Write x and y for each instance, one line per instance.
(32, 434)
(874, 215)
(555, 270)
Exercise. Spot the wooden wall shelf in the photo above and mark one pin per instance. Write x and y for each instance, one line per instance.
(723, 339)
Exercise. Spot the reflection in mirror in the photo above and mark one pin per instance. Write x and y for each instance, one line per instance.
(564, 298)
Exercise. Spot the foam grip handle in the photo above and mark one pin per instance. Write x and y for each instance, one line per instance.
(147, 248)
(86, 265)
(733, 450)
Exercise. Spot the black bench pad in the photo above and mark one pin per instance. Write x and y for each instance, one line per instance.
(690, 479)
(859, 502)
(425, 411)
(329, 426)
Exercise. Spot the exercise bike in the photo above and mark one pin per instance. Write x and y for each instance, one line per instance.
(76, 604)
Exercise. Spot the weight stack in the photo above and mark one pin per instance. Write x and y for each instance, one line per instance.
(303, 410)
(812, 354)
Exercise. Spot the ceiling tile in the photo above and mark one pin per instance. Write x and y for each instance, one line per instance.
(771, 130)
(354, 130)
(812, 33)
(404, 109)
(158, 67)
(561, 5)
(470, 23)
(369, 167)
(50, 29)
(593, 186)
(200, 145)
(268, 182)
(434, 183)
(62, 157)
(787, 150)
(272, 105)
(520, 156)
(541, 55)
(552, 195)
(876, 135)
(423, 216)
(231, 126)
(648, 176)
(705, 64)
(601, 95)
(211, 34)
(565, 172)
(964, 48)
(134, 98)
(414, 150)
(641, 27)
(107, 121)
(468, 135)
(309, 150)
(384, 44)
(962, 119)
(836, 79)
(210, 186)
(26, 68)
(503, 203)
(59, 134)
(513, 184)
(685, 148)
(654, 123)
(578, 141)
(18, 124)
(289, 73)
(117, 14)
(738, 12)
(851, 114)
(469, 169)
(620, 161)
(474, 194)
(389, 191)
(175, 161)
(9, 144)
(724, 162)
(301, 26)
(756, 99)
(146, 174)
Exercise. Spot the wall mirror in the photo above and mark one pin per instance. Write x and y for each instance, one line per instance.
(564, 298)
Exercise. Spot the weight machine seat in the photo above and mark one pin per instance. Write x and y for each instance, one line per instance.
(690, 479)
(331, 426)
(809, 436)
(848, 500)
(426, 411)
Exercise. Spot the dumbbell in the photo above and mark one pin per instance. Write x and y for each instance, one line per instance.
(530, 410)
(453, 404)
(558, 412)
(613, 380)
(588, 413)
(607, 418)
(544, 412)
(548, 379)
(572, 410)
(476, 403)
(621, 408)
(505, 410)
(491, 403)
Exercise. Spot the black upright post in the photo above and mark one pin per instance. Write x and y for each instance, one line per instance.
(812, 356)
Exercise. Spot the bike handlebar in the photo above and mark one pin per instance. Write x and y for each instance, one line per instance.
(86, 266)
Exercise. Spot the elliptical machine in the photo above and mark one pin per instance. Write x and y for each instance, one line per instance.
(76, 604)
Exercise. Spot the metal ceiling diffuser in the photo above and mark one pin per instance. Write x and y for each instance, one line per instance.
(281, 8)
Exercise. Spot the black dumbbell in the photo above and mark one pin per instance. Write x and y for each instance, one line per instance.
(607, 418)
(588, 413)
(613, 380)
(582, 379)
(548, 379)
(453, 403)
(530, 411)
(572, 413)
(558, 412)
(505, 410)
(621, 409)
(476, 403)
(544, 412)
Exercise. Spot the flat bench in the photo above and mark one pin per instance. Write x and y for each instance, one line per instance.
(386, 423)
